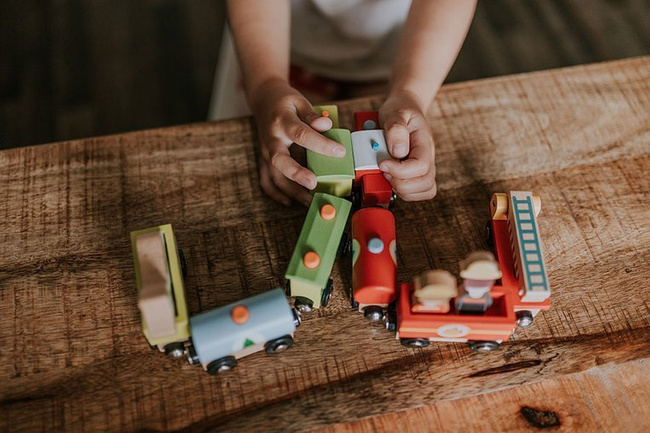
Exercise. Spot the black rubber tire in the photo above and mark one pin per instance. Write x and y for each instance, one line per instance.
(221, 365)
(414, 343)
(299, 301)
(354, 304)
(524, 318)
(390, 321)
(393, 199)
(373, 311)
(327, 293)
(278, 345)
(483, 346)
(172, 347)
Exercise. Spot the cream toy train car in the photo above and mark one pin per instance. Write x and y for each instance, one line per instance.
(161, 296)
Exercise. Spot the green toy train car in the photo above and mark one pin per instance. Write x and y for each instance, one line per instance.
(308, 274)
(334, 175)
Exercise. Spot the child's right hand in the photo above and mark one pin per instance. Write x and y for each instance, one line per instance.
(285, 117)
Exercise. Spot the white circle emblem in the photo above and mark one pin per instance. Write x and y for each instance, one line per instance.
(454, 330)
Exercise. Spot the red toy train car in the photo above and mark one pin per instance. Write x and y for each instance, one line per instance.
(497, 294)
(374, 261)
(369, 148)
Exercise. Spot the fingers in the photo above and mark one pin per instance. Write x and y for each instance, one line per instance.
(397, 133)
(301, 133)
(290, 188)
(419, 161)
(414, 178)
(269, 187)
(278, 187)
(319, 123)
(282, 161)
(415, 185)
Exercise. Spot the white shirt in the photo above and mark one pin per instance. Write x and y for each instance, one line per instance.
(354, 40)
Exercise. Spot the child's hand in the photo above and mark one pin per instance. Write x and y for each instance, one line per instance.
(408, 136)
(285, 117)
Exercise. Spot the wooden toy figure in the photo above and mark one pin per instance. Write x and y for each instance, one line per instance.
(433, 291)
(479, 272)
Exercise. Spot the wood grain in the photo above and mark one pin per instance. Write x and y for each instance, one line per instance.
(74, 356)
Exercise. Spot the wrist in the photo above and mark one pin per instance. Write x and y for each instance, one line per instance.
(258, 93)
(402, 94)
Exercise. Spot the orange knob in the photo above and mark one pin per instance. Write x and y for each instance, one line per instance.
(311, 260)
(239, 314)
(328, 212)
(325, 113)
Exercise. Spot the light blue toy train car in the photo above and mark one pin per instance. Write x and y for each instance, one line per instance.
(221, 336)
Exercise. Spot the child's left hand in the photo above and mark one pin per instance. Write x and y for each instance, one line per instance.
(408, 136)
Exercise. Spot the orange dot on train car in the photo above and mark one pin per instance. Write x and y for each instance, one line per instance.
(311, 260)
(328, 212)
(239, 314)
(325, 113)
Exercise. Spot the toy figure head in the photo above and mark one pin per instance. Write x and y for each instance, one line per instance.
(433, 287)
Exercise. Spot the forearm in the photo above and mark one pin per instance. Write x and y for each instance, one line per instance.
(433, 35)
(261, 31)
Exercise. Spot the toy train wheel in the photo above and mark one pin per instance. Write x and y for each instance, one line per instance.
(373, 313)
(390, 319)
(345, 246)
(327, 293)
(483, 346)
(524, 318)
(355, 198)
(222, 365)
(414, 343)
(303, 304)
(278, 345)
(192, 357)
(175, 350)
(181, 258)
(354, 304)
(393, 198)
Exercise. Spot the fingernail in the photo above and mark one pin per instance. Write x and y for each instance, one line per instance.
(383, 167)
(399, 150)
(338, 151)
(387, 176)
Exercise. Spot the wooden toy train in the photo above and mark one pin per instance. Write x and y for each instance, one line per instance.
(499, 291)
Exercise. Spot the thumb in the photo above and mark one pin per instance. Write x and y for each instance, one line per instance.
(319, 123)
(397, 137)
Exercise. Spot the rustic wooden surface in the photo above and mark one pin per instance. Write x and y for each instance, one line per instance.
(74, 357)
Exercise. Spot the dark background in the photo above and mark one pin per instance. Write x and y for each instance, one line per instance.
(78, 68)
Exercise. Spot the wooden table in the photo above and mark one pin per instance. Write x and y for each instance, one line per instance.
(73, 356)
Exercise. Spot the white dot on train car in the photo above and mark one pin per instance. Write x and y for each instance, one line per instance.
(369, 124)
(375, 245)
